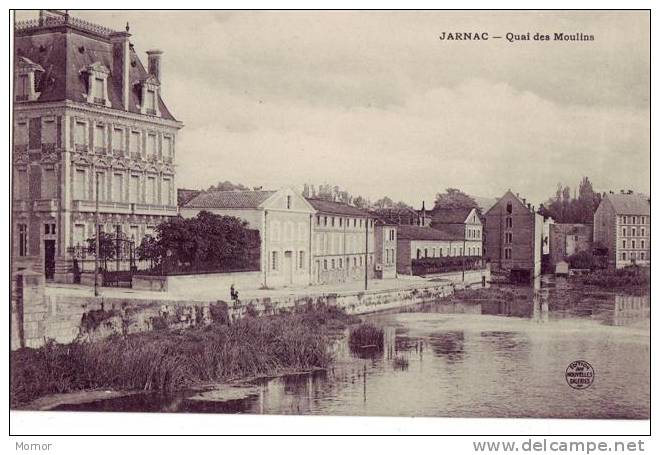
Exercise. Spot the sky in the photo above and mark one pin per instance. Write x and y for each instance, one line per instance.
(376, 103)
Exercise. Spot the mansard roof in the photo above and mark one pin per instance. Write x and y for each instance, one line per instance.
(66, 49)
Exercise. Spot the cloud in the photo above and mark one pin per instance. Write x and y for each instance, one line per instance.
(374, 102)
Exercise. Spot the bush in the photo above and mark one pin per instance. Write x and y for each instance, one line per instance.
(582, 260)
(631, 276)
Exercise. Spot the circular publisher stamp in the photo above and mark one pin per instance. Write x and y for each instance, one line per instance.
(580, 374)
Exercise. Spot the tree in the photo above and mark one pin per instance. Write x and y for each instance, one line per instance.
(360, 202)
(453, 198)
(227, 186)
(384, 202)
(207, 241)
(566, 209)
(107, 247)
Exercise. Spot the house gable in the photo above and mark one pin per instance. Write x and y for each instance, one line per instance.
(287, 199)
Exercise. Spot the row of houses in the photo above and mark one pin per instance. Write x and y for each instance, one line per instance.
(317, 241)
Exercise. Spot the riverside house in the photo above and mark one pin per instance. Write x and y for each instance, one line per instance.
(344, 242)
(622, 226)
(89, 123)
(284, 221)
(420, 242)
(465, 222)
(514, 237)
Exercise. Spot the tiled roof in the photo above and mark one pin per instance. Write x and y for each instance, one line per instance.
(450, 215)
(229, 199)
(336, 208)
(64, 56)
(424, 233)
(630, 204)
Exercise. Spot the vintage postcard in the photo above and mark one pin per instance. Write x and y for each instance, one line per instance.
(341, 213)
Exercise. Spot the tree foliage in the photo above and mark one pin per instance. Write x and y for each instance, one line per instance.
(578, 209)
(207, 241)
(227, 186)
(453, 198)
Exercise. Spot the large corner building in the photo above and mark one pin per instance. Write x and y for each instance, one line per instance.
(87, 114)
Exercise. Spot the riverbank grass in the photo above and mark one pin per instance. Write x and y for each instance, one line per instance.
(170, 360)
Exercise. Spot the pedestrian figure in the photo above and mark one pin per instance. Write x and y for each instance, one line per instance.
(233, 293)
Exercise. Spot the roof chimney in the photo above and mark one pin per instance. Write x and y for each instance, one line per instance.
(120, 63)
(153, 56)
(423, 209)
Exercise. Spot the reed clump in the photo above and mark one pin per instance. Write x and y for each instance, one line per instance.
(365, 336)
(170, 360)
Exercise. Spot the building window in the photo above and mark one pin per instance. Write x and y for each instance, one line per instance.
(332, 264)
(634, 220)
(509, 222)
(168, 149)
(642, 244)
(151, 190)
(167, 192)
(151, 146)
(49, 184)
(288, 202)
(134, 189)
(419, 253)
(624, 232)
(325, 221)
(354, 222)
(624, 244)
(508, 237)
(625, 220)
(634, 232)
(134, 144)
(642, 232)
(99, 138)
(49, 229)
(23, 89)
(118, 187)
(509, 207)
(633, 244)
(79, 184)
(642, 220)
(80, 134)
(301, 259)
(118, 140)
(318, 220)
(623, 256)
(325, 264)
(507, 253)
(642, 255)
(426, 252)
(22, 239)
(273, 263)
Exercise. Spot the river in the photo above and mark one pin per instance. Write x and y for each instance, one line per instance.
(467, 359)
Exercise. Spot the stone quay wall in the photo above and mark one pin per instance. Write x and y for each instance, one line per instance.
(38, 318)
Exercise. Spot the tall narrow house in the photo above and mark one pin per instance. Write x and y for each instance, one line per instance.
(513, 237)
(622, 226)
(87, 115)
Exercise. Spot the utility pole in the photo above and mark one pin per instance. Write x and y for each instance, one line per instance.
(98, 240)
(366, 253)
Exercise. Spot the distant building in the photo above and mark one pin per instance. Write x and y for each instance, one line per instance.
(418, 242)
(385, 251)
(462, 222)
(622, 225)
(513, 237)
(284, 221)
(344, 242)
(567, 239)
(87, 114)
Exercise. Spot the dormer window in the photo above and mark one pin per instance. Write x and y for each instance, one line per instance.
(26, 75)
(97, 84)
(149, 88)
